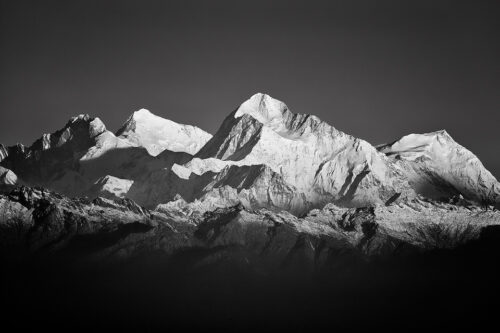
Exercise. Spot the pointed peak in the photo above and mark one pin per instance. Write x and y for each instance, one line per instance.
(436, 135)
(95, 126)
(140, 116)
(147, 117)
(262, 107)
(143, 113)
(418, 142)
(260, 97)
(426, 136)
(442, 133)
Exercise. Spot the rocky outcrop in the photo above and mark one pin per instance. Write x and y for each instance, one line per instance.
(4, 152)
(34, 221)
(7, 177)
(55, 156)
(37, 221)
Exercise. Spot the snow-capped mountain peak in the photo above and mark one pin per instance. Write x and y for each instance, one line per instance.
(413, 146)
(263, 108)
(143, 113)
(274, 115)
(283, 160)
(145, 129)
(319, 161)
(80, 132)
(436, 164)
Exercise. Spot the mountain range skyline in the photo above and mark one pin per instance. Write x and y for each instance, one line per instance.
(378, 71)
(263, 156)
(269, 189)
(266, 176)
(160, 117)
(262, 165)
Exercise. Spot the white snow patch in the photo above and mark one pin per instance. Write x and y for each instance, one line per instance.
(157, 134)
(181, 171)
(117, 186)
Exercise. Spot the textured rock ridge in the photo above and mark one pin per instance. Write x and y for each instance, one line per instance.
(34, 220)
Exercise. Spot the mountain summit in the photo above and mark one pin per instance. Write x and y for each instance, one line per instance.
(321, 162)
(436, 166)
(262, 156)
(272, 191)
(156, 134)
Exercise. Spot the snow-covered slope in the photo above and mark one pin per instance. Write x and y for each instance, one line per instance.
(50, 157)
(111, 187)
(262, 156)
(79, 155)
(318, 160)
(437, 166)
(156, 134)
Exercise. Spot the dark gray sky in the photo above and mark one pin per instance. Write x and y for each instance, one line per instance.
(374, 69)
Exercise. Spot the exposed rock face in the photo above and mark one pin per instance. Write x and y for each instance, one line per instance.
(40, 221)
(326, 165)
(7, 177)
(4, 152)
(262, 156)
(321, 162)
(52, 160)
(77, 159)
